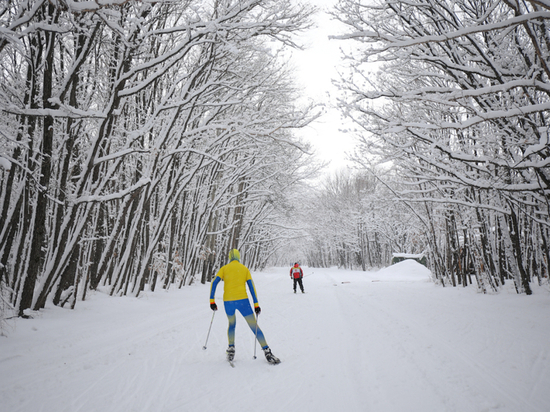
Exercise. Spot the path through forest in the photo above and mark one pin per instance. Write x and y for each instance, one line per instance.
(378, 341)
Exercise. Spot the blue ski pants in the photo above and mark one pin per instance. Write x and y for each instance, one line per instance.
(244, 307)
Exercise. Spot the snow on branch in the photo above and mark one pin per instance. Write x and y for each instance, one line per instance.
(542, 3)
(480, 118)
(118, 154)
(394, 42)
(89, 6)
(201, 153)
(114, 196)
(63, 112)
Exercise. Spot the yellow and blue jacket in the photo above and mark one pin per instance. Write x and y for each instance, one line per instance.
(235, 277)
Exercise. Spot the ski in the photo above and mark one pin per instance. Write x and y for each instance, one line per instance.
(231, 363)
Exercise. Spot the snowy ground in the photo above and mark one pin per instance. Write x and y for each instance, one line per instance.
(380, 341)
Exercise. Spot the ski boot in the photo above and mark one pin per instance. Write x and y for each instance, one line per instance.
(230, 353)
(270, 357)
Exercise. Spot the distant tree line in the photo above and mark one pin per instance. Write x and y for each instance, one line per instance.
(342, 231)
(353, 223)
(140, 141)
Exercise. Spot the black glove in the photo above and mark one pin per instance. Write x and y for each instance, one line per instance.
(257, 310)
(213, 306)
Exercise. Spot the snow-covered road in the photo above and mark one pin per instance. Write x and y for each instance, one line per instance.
(381, 341)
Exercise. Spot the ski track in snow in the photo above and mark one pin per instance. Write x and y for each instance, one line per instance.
(384, 341)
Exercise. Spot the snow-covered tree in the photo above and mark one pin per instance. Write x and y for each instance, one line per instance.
(353, 221)
(138, 135)
(460, 106)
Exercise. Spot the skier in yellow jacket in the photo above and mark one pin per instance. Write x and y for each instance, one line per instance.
(236, 276)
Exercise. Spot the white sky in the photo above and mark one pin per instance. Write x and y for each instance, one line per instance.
(316, 67)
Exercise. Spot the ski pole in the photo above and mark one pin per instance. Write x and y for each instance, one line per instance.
(207, 336)
(256, 335)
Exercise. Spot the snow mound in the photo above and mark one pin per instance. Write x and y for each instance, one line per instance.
(408, 270)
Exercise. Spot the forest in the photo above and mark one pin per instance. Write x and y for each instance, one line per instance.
(142, 140)
(453, 135)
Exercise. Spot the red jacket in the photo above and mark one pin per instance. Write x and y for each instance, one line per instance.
(296, 272)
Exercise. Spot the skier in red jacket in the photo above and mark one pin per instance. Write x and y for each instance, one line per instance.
(296, 274)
